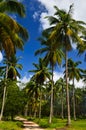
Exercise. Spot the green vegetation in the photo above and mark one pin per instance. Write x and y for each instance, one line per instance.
(78, 125)
(59, 123)
(56, 123)
(9, 125)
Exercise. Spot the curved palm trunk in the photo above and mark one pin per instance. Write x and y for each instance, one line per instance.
(67, 93)
(51, 103)
(74, 110)
(4, 96)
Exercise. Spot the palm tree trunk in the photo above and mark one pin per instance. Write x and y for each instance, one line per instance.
(62, 114)
(40, 105)
(51, 103)
(4, 96)
(74, 110)
(26, 110)
(35, 109)
(3, 103)
(67, 93)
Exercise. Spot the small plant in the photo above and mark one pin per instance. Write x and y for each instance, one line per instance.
(20, 124)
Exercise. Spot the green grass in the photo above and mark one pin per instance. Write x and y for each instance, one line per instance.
(59, 123)
(10, 125)
(78, 125)
(56, 123)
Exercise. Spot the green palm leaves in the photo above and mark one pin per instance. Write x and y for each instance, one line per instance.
(53, 54)
(73, 70)
(12, 34)
(65, 29)
(41, 72)
(12, 6)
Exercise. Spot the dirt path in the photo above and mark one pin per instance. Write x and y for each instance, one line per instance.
(29, 125)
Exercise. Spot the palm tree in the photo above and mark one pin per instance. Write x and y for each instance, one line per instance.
(13, 35)
(33, 94)
(52, 56)
(60, 87)
(11, 72)
(64, 31)
(74, 72)
(41, 75)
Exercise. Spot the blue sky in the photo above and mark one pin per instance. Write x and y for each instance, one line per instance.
(34, 22)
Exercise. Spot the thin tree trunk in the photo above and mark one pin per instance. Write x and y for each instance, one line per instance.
(51, 103)
(3, 103)
(40, 105)
(26, 110)
(74, 110)
(62, 114)
(67, 93)
(4, 97)
(35, 113)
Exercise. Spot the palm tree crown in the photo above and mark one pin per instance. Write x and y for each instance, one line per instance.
(12, 34)
(41, 71)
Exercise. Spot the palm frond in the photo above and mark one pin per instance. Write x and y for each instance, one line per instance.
(52, 20)
(12, 6)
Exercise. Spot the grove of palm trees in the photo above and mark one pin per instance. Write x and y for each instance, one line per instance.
(54, 104)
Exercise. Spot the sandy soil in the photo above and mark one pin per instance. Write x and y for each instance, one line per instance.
(29, 125)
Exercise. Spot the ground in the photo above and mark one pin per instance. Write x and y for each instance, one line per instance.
(29, 125)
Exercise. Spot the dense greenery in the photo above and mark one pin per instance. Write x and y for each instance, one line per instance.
(9, 125)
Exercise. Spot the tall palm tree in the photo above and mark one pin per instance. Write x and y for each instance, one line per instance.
(41, 74)
(74, 72)
(12, 34)
(64, 31)
(52, 57)
(9, 72)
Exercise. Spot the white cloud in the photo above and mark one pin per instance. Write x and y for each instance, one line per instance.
(58, 75)
(79, 9)
(35, 15)
(44, 22)
(79, 83)
(1, 57)
(23, 81)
